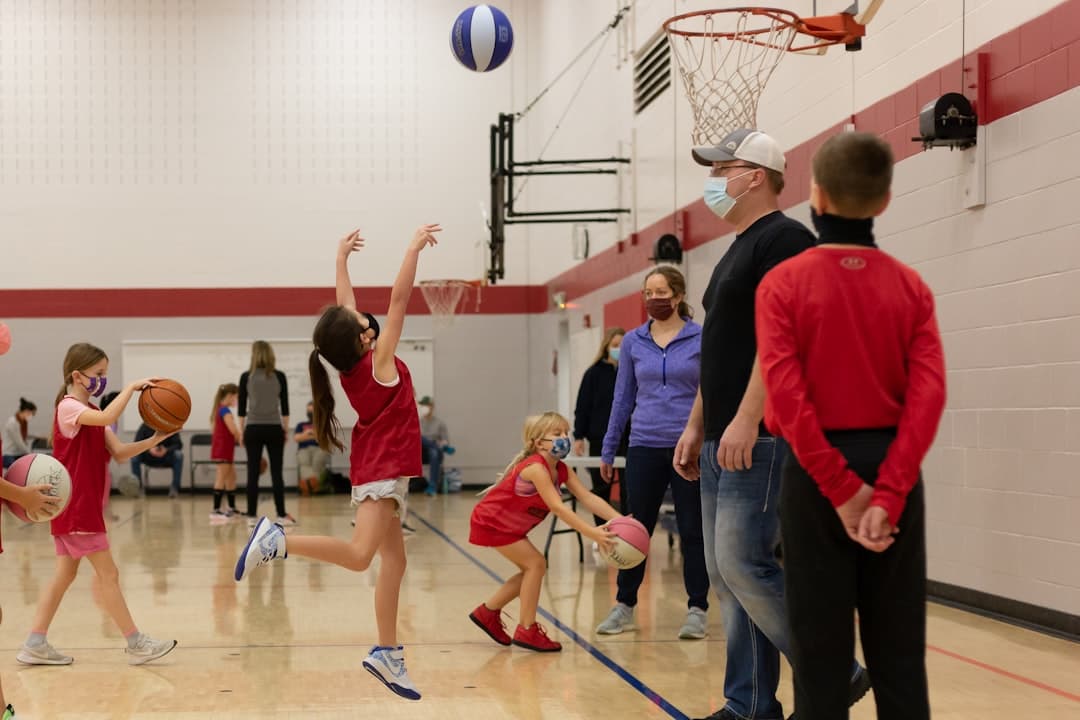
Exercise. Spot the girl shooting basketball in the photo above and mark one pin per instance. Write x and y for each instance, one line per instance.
(385, 450)
(529, 489)
(83, 442)
(224, 439)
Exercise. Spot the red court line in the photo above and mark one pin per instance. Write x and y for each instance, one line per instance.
(1005, 673)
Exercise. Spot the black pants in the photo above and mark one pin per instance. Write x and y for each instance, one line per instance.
(649, 472)
(272, 437)
(827, 577)
(600, 488)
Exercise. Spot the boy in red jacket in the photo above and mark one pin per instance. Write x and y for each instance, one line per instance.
(855, 380)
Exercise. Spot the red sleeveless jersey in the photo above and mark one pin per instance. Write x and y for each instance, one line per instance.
(386, 437)
(86, 458)
(222, 442)
(513, 507)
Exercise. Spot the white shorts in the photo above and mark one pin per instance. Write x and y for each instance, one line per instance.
(396, 489)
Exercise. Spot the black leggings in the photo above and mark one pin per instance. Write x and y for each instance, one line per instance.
(272, 437)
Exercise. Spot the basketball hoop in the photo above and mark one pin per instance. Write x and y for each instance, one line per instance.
(727, 56)
(444, 296)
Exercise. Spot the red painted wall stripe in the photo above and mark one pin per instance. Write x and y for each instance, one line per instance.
(1025, 66)
(246, 302)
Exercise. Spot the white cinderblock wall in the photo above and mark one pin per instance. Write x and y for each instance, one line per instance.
(1004, 502)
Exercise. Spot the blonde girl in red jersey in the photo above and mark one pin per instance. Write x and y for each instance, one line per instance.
(224, 438)
(83, 442)
(385, 449)
(529, 490)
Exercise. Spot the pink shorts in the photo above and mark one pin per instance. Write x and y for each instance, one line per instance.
(80, 545)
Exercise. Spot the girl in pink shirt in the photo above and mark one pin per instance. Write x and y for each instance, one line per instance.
(83, 442)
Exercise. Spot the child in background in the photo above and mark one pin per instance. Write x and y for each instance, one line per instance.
(224, 439)
(529, 490)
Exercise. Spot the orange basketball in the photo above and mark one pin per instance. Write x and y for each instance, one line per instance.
(165, 407)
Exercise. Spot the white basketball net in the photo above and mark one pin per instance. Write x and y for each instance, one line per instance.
(444, 296)
(725, 59)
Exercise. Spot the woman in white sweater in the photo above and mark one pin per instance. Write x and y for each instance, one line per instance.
(14, 440)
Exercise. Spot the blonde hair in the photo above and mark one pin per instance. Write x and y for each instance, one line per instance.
(536, 427)
(262, 357)
(223, 391)
(605, 346)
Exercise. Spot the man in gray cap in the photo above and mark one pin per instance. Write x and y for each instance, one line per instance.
(725, 443)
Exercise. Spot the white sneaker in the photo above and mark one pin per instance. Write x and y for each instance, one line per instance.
(44, 654)
(267, 542)
(620, 619)
(148, 649)
(286, 520)
(694, 626)
(388, 665)
(218, 516)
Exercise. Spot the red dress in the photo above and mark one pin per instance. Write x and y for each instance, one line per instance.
(386, 438)
(86, 458)
(222, 442)
(513, 507)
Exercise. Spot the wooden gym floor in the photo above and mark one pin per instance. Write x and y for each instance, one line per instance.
(288, 642)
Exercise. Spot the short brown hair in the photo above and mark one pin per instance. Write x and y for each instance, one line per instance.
(855, 170)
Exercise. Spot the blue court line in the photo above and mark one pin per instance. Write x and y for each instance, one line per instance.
(650, 694)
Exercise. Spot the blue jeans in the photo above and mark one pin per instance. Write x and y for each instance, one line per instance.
(173, 459)
(433, 453)
(742, 529)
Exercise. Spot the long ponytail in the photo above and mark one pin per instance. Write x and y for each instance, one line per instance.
(223, 391)
(327, 426)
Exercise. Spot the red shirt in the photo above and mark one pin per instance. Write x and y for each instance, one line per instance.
(222, 442)
(513, 507)
(86, 458)
(386, 438)
(847, 340)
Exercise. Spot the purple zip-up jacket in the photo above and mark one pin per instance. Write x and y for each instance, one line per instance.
(658, 385)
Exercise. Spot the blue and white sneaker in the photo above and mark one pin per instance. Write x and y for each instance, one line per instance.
(388, 665)
(267, 542)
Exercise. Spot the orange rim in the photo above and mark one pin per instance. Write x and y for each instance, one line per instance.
(825, 30)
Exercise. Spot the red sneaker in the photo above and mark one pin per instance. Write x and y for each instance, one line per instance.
(534, 638)
(490, 621)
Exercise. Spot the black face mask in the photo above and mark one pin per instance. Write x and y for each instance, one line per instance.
(310, 417)
(841, 230)
(373, 324)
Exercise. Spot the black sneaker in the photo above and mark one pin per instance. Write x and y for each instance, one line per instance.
(860, 685)
(721, 714)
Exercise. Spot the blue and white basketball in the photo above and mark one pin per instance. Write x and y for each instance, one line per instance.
(482, 38)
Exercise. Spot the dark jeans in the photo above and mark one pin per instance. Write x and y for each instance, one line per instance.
(600, 488)
(828, 577)
(8, 459)
(173, 459)
(649, 472)
(272, 437)
(432, 453)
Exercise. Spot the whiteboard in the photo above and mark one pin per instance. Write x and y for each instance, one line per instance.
(202, 365)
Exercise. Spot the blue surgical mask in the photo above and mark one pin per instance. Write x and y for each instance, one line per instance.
(613, 353)
(96, 388)
(716, 196)
(560, 447)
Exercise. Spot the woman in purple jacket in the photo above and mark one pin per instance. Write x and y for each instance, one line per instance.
(657, 382)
